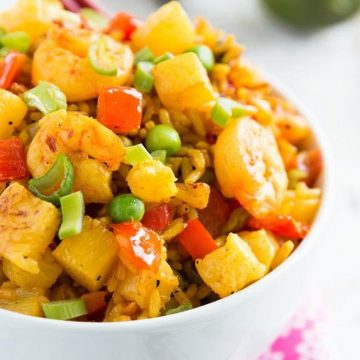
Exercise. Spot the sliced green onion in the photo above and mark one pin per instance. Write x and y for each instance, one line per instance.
(62, 172)
(136, 154)
(295, 176)
(95, 20)
(103, 58)
(144, 54)
(143, 79)
(64, 309)
(159, 155)
(4, 51)
(18, 40)
(205, 55)
(225, 109)
(163, 57)
(72, 210)
(46, 97)
(181, 308)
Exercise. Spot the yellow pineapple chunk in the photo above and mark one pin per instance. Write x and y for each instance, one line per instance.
(12, 112)
(22, 301)
(302, 203)
(48, 274)
(183, 83)
(231, 267)
(149, 290)
(93, 179)
(263, 244)
(89, 256)
(27, 227)
(167, 29)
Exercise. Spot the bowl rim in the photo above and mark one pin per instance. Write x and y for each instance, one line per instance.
(219, 305)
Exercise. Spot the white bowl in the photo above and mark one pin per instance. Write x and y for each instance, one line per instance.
(245, 321)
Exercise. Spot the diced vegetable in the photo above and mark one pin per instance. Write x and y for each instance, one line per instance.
(103, 56)
(195, 195)
(46, 97)
(216, 213)
(225, 109)
(281, 225)
(295, 176)
(182, 82)
(136, 154)
(158, 218)
(61, 174)
(310, 161)
(163, 57)
(95, 302)
(196, 240)
(72, 210)
(263, 244)
(120, 109)
(10, 68)
(143, 78)
(162, 29)
(124, 24)
(205, 55)
(49, 271)
(159, 155)
(64, 309)
(163, 137)
(180, 308)
(231, 267)
(89, 256)
(139, 247)
(126, 207)
(12, 160)
(18, 41)
(159, 180)
(94, 18)
(144, 54)
(28, 225)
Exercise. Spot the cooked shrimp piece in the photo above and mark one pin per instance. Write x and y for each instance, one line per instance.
(249, 167)
(62, 59)
(82, 139)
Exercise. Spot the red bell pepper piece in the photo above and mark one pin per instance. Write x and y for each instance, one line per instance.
(10, 68)
(158, 218)
(139, 247)
(95, 302)
(12, 160)
(281, 225)
(125, 24)
(196, 240)
(311, 162)
(120, 109)
(215, 215)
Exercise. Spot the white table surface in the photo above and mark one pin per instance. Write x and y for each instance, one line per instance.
(324, 70)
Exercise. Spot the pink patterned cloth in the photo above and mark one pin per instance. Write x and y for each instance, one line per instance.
(306, 337)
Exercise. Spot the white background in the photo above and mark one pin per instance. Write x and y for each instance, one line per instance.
(323, 69)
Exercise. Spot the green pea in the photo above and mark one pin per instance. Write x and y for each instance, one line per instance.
(126, 207)
(163, 137)
(205, 55)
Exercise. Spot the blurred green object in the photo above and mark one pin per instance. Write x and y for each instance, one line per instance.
(313, 13)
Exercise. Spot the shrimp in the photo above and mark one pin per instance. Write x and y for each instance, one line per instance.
(92, 148)
(61, 59)
(249, 167)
